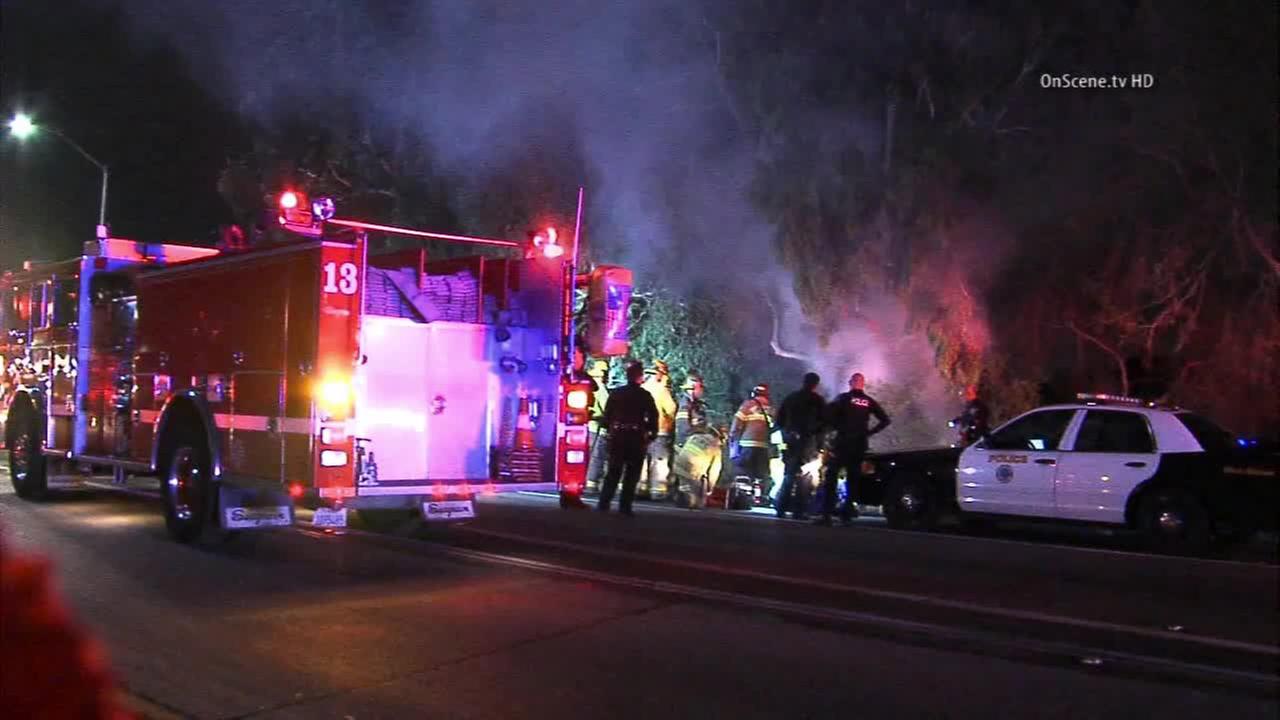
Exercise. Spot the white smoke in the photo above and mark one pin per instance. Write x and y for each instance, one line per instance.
(879, 342)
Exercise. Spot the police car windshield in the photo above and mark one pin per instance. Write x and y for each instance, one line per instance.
(1211, 437)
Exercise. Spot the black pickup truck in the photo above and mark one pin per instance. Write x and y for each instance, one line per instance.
(1169, 473)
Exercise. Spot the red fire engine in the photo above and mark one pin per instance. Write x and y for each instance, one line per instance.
(304, 368)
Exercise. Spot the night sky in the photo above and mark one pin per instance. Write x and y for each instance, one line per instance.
(133, 105)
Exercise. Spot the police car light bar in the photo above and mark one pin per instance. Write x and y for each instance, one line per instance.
(1093, 398)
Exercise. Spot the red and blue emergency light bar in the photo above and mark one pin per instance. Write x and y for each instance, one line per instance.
(1108, 399)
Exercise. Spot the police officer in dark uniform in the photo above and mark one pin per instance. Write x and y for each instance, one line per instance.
(975, 422)
(801, 419)
(849, 415)
(632, 419)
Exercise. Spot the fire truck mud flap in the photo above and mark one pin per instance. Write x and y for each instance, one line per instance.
(448, 510)
(244, 509)
(329, 517)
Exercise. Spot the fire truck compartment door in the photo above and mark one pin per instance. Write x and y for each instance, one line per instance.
(457, 402)
(423, 399)
(390, 386)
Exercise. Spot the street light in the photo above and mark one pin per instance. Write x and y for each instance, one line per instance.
(23, 127)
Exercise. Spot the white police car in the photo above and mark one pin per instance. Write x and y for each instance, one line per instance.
(1105, 459)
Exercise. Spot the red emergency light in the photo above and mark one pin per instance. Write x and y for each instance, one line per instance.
(295, 215)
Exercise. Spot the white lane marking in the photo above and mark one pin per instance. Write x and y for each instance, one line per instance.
(878, 522)
(892, 595)
(831, 614)
(819, 612)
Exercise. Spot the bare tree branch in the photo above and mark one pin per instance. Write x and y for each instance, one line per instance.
(775, 343)
(333, 171)
(722, 80)
(1115, 354)
(1182, 378)
(1243, 225)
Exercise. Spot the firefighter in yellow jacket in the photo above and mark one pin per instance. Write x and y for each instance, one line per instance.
(662, 449)
(597, 467)
(749, 438)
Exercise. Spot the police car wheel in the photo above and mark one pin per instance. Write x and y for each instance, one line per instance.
(1174, 520)
(27, 464)
(908, 504)
(188, 491)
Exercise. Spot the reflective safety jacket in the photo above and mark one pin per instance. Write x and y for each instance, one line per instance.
(599, 399)
(691, 419)
(666, 406)
(752, 424)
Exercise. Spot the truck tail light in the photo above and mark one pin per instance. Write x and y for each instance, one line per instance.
(333, 458)
(575, 457)
(575, 437)
(578, 399)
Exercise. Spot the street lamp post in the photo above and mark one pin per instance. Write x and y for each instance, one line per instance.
(23, 127)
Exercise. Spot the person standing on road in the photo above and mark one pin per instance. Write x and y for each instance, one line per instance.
(599, 433)
(657, 472)
(849, 415)
(632, 419)
(749, 438)
(801, 419)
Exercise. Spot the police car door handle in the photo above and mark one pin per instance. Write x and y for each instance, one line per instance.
(1135, 464)
(1046, 461)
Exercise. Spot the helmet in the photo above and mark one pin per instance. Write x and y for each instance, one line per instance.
(761, 390)
(660, 367)
(598, 368)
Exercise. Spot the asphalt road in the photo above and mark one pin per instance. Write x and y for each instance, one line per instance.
(534, 612)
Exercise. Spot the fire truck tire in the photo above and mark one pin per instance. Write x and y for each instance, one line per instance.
(28, 467)
(190, 500)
